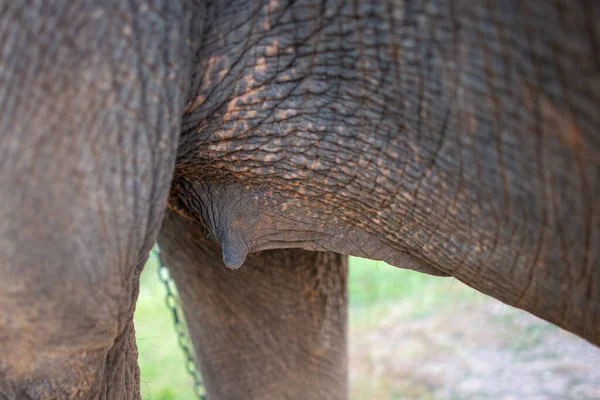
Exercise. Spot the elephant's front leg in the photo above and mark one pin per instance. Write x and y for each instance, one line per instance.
(274, 329)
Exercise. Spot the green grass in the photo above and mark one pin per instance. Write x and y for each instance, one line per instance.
(373, 287)
(163, 375)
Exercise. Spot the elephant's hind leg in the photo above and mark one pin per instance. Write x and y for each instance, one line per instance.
(274, 329)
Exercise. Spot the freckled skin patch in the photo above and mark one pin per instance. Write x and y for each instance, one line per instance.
(407, 133)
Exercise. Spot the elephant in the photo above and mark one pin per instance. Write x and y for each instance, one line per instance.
(262, 142)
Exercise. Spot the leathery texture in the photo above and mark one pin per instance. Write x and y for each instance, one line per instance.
(448, 137)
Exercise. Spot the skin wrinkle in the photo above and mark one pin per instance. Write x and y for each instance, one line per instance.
(456, 38)
(563, 80)
(540, 161)
(499, 126)
(416, 129)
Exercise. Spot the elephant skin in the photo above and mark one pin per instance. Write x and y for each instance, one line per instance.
(455, 138)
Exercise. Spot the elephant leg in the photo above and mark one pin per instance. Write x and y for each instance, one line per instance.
(90, 108)
(274, 329)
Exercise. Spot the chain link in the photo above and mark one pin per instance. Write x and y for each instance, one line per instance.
(172, 300)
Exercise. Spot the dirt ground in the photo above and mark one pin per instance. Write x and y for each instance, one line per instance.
(477, 351)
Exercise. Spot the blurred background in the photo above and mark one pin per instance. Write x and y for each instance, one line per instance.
(411, 336)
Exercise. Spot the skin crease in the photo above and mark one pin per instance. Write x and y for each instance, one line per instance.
(454, 138)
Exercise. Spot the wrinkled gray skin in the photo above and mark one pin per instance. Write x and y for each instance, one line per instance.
(456, 138)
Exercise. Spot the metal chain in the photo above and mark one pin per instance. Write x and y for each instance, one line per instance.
(172, 301)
